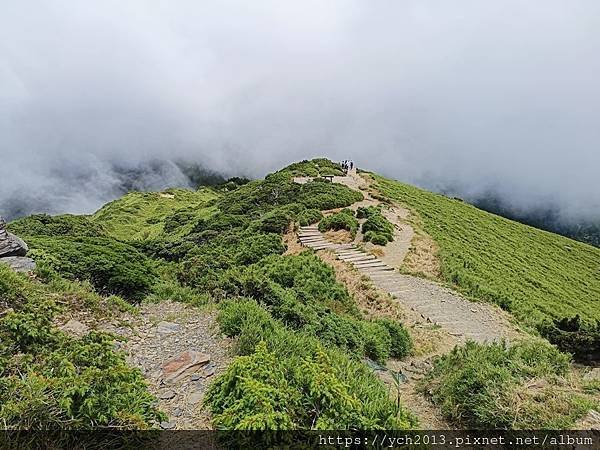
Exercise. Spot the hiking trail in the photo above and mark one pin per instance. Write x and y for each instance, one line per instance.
(437, 304)
(438, 317)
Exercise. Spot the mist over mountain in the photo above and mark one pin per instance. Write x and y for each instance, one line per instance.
(467, 97)
(78, 188)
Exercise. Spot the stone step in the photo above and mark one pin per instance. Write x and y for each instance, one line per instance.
(358, 257)
(371, 270)
(358, 261)
(367, 257)
(350, 255)
(375, 263)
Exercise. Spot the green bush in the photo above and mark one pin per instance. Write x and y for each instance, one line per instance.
(342, 220)
(258, 197)
(112, 267)
(377, 229)
(378, 341)
(49, 380)
(375, 238)
(401, 340)
(309, 216)
(301, 293)
(485, 386)
(364, 212)
(291, 382)
(222, 222)
(234, 315)
(65, 225)
(314, 168)
(574, 336)
(177, 220)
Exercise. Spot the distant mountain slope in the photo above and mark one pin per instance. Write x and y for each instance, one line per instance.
(142, 215)
(532, 273)
(545, 218)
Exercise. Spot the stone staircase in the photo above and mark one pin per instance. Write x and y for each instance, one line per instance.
(439, 305)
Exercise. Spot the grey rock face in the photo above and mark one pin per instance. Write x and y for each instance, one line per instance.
(19, 263)
(10, 245)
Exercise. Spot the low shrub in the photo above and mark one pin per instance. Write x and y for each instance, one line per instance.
(378, 341)
(377, 229)
(488, 386)
(342, 220)
(289, 381)
(364, 212)
(401, 344)
(309, 216)
(65, 225)
(572, 335)
(112, 267)
(49, 380)
(313, 168)
(375, 238)
(301, 292)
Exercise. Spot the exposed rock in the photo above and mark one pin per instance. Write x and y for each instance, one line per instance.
(168, 425)
(168, 328)
(184, 364)
(167, 395)
(10, 245)
(19, 263)
(195, 397)
(75, 328)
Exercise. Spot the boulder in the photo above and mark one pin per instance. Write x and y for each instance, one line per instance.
(19, 263)
(10, 245)
(183, 365)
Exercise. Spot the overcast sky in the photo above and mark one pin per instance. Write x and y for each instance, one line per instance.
(474, 96)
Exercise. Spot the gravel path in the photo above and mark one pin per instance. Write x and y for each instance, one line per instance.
(460, 317)
(158, 335)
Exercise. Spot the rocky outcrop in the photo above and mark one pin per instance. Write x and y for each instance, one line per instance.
(13, 250)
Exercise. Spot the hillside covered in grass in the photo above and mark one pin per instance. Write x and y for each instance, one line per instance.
(304, 349)
(534, 274)
(300, 336)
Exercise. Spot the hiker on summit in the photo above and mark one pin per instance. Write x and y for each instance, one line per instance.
(351, 164)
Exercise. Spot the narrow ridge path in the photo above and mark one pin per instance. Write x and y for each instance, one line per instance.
(462, 318)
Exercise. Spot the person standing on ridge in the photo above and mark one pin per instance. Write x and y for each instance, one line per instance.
(351, 164)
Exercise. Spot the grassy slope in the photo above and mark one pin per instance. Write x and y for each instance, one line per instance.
(532, 273)
(140, 215)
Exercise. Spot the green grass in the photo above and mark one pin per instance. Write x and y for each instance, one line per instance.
(532, 273)
(496, 386)
(142, 215)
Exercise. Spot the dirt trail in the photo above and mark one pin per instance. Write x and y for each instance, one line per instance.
(430, 309)
(435, 303)
(158, 341)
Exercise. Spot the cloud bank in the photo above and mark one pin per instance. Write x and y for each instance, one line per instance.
(467, 97)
